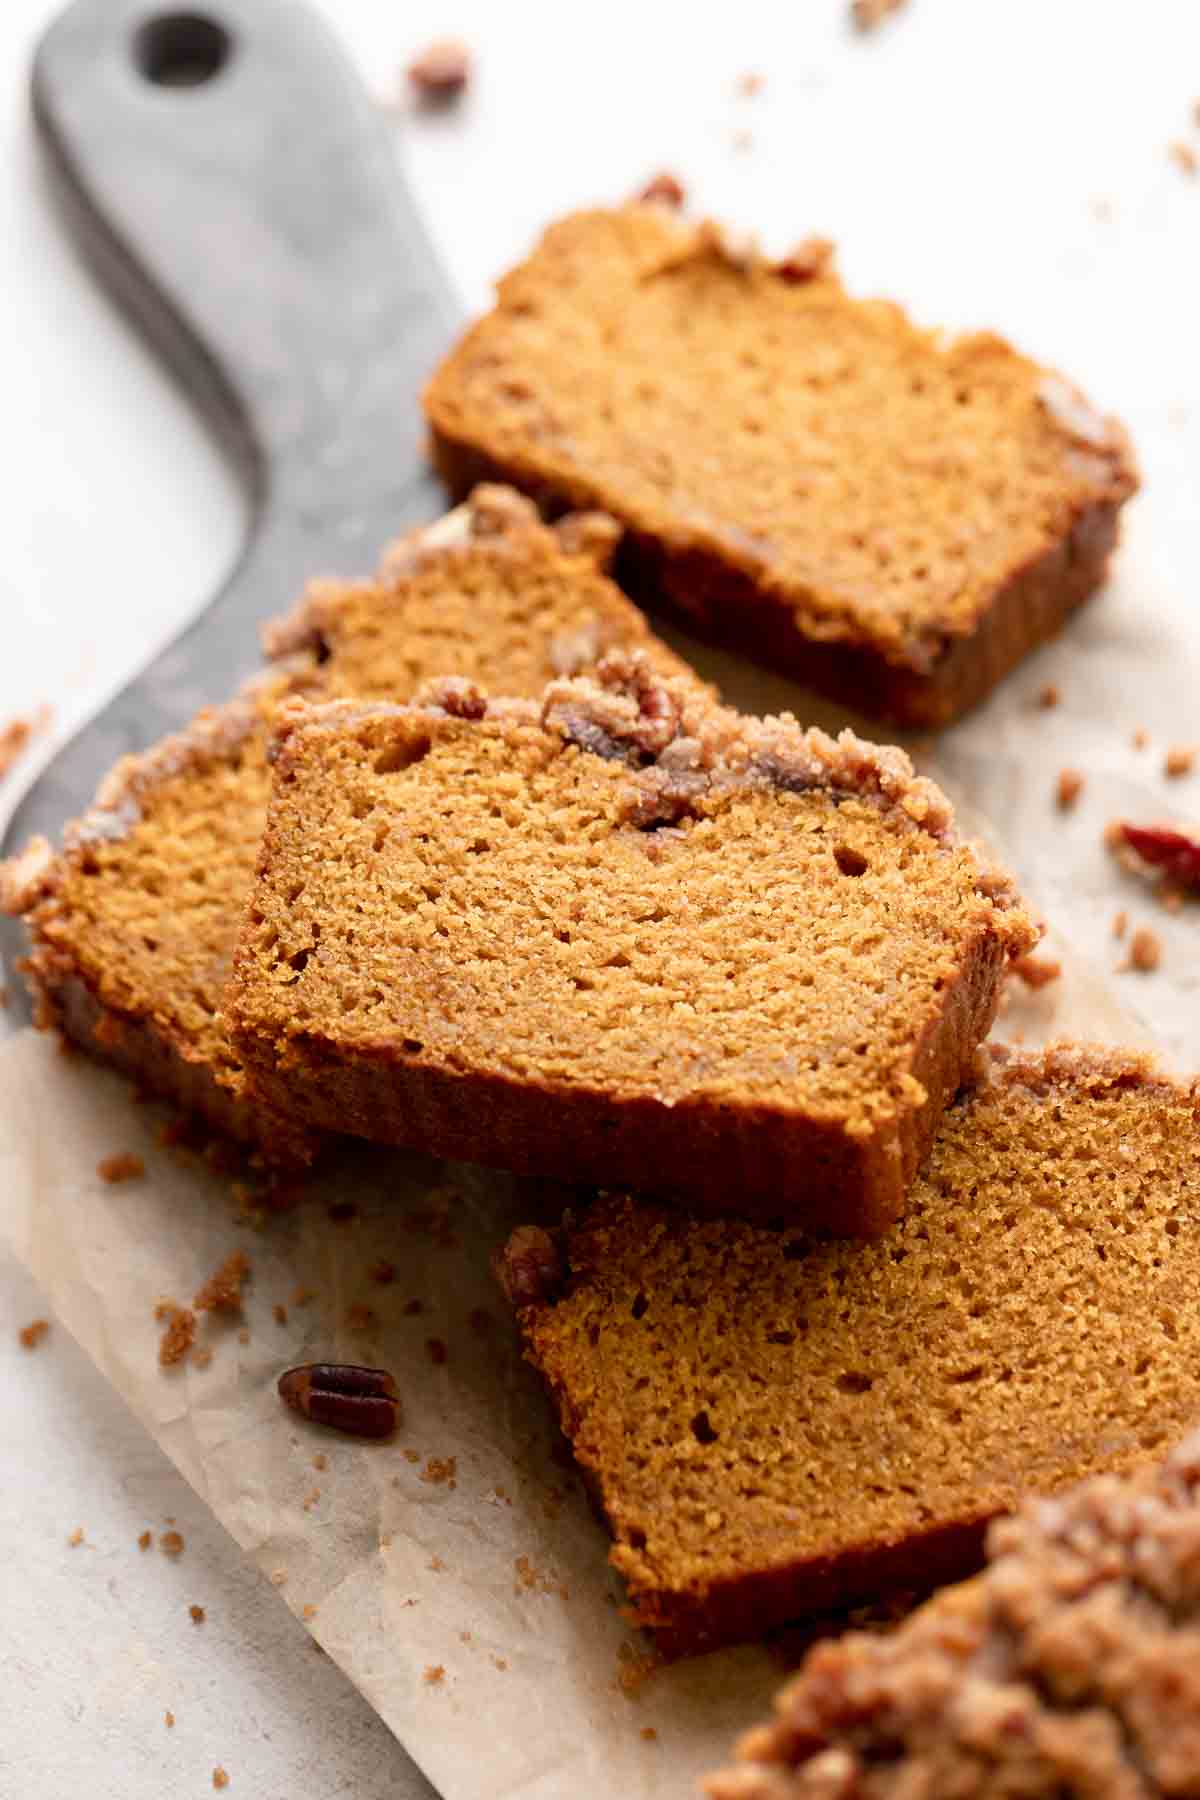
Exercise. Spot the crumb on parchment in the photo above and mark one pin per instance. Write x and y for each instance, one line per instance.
(31, 1335)
(122, 1166)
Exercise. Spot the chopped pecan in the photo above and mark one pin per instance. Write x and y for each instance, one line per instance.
(454, 695)
(348, 1397)
(806, 260)
(441, 71)
(530, 1268)
(664, 189)
(1175, 849)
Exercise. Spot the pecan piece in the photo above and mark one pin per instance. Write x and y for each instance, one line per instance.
(441, 71)
(529, 1267)
(346, 1396)
(1172, 848)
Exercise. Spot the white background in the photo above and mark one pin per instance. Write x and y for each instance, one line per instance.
(989, 162)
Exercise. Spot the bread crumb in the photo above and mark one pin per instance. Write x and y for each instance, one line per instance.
(75, 1538)
(868, 14)
(664, 189)
(635, 1667)
(303, 1295)
(437, 1565)
(1179, 760)
(123, 1166)
(464, 1637)
(220, 1778)
(1070, 786)
(171, 1543)
(308, 1610)
(382, 1272)
(32, 1334)
(434, 1674)
(1141, 737)
(278, 1577)
(438, 1352)
(311, 1499)
(178, 1337)
(169, 1720)
(1145, 951)
(1048, 696)
(222, 1292)
(1184, 157)
(360, 1317)
(15, 737)
(648, 1734)
(320, 1460)
(279, 1313)
(244, 1335)
(412, 1456)
(441, 72)
(145, 1539)
(750, 84)
(441, 1469)
(1120, 923)
(1037, 971)
(500, 1662)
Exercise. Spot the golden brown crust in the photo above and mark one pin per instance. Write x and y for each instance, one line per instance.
(921, 666)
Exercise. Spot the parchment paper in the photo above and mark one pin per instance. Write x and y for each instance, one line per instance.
(458, 1575)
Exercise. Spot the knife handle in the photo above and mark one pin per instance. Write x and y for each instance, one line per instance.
(233, 184)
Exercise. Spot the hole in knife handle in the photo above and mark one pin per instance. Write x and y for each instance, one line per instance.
(181, 50)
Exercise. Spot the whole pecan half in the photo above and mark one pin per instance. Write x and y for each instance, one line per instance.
(1172, 848)
(346, 1396)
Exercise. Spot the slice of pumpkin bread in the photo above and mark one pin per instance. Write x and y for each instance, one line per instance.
(133, 922)
(890, 516)
(776, 1426)
(1069, 1670)
(622, 936)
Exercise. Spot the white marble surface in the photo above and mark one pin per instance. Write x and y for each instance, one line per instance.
(988, 161)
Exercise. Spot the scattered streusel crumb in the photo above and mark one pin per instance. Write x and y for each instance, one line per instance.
(1145, 951)
(1120, 923)
(412, 1456)
(438, 1352)
(320, 1460)
(383, 1272)
(649, 1734)
(178, 1337)
(171, 1543)
(867, 14)
(123, 1166)
(278, 1577)
(437, 1565)
(32, 1334)
(220, 1778)
(303, 1295)
(360, 1317)
(222, 1292)
(635, 1667)
(500, 1662)
(279, 1313)
(464, 1637)
(663, 189)
(16, 735)
(441, 72)
(435, 1673)
(1184, 157)
(196, 1614)
(1070, 786)
(441, 1469)
(1037, 971)
(244, 1335)
(1179, 760)
(75, 1538)
(308, 1610)
(311, 1499)
(169, 1720)
(1048, 696)
(145, 1540)
(1141, 737)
